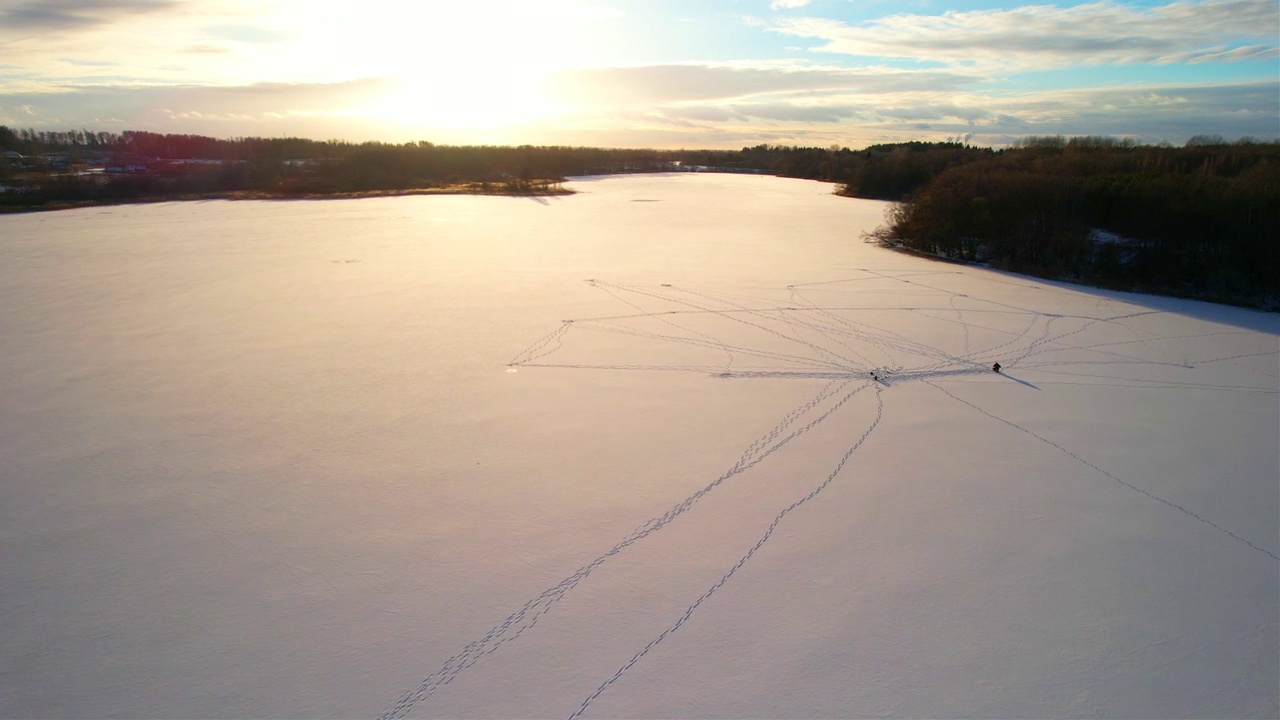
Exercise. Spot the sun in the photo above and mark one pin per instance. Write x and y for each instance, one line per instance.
(459, 71)
(483, 95)
(475, 66)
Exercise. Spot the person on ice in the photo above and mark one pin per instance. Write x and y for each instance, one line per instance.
(996, 367)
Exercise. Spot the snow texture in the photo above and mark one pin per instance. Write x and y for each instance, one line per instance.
(676, 446)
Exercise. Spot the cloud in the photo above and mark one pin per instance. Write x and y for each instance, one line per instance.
(701, 113)
(247, 33)
(57, 40)
(259, 109)
(777, 112)
(629, 86)
(64, 15)
(1243, 53)
(206, 49)
(1040, 36)
(793, 113)
(788, 4)
(1156, 112)
(1146, 113)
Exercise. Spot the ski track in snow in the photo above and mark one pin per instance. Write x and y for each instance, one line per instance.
(804, 340)
(737, 566)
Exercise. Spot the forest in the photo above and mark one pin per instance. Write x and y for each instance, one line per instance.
(61, 167)
(1199, 220)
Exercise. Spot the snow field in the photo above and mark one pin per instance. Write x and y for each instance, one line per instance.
(478, 457)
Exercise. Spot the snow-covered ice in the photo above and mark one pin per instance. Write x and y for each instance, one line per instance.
(617, 454)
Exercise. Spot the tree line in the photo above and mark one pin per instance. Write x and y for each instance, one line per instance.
(1196, 220)
(286, 165)
(332, 166)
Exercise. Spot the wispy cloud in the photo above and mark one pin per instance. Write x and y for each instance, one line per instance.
(1223, 55)
(703, 82)
(245, 109)
(1148, 113)
(1041, 36)
(247, 33)
(788, 4)
(61, 15)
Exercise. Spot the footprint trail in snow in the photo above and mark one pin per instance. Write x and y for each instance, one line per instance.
(855, 339)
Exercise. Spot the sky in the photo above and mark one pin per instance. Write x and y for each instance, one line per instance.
(645, 73)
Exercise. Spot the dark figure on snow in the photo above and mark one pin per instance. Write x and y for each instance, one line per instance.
(996, 367)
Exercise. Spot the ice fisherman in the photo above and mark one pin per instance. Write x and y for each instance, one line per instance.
(996, 367)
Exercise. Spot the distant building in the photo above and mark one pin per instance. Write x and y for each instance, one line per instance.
(677, 166)
(129, 164)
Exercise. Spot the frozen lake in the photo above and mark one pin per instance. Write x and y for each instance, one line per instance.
(616, 454)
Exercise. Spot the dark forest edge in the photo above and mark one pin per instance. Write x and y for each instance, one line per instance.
(1195, 221)
(1201, 221)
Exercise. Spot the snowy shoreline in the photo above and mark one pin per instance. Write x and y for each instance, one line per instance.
(465, 189)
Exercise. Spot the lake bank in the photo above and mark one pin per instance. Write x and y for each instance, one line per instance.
(459, 189)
